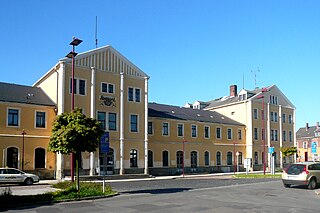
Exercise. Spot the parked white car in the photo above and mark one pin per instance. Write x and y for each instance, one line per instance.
(12, 175)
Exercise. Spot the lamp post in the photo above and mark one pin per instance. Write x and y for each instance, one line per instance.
(72, 55)
(234, 158)
(22, 160)
(183, 157)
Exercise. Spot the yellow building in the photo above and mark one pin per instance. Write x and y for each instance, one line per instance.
(27, 114)
(113, 90)
(196, 140)
(268, 115)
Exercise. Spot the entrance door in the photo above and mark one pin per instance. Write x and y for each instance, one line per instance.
(194, 161)
(12, 157)
(306, 156)
(107, 163)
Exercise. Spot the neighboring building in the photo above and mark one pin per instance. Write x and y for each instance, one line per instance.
(267, 108)
(27, 114)
(308, 143)
(113, 90)
(209, 140)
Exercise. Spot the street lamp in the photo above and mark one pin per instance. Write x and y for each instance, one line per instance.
(72, 55)
(22, 160)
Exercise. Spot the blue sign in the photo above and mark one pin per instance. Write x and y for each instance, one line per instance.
(104, 142)
(314, 147)
(271, 149)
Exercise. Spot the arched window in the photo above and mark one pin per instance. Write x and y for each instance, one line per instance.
(179, 159)
(133, 158)
(165, 158)
(150, 158)
(229, 158)
(240, 158)
(218, 158)
(194, 159)
(39, 158)
(206, 158)
(12, 157)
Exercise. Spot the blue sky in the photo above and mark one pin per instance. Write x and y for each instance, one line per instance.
(191, 49)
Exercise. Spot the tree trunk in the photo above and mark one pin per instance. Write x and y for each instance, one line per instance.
(77, 171)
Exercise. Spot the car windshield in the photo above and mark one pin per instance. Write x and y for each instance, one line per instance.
(296, 169)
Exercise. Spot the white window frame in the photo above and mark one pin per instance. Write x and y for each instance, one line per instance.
(19, 116)
(108, 92)
(131, 122)
(178, 129)
(194, 125)
(134, 95)
(162, 129)
(228, 134)
(77, 89)
(35, 119)
(204, 135)
(220, 133)
(255, 114)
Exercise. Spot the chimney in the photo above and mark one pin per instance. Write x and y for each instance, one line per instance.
(307, 126)
(233, 90)
(317, 124)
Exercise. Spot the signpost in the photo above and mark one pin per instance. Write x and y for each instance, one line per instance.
(104, 147)
(271, 151)
(314, 149)
(247, 164)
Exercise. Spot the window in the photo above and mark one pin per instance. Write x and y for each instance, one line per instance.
(13, 117)
(180, 130)
(271, 116)
(218, 133)
(150, 128)
(179, 156)
(256, 161)
(276, 135)
(290, 119)
(39, 158)
(273, 99)
(130, 94)
(218, 158)
(40, 119)
(283, 118)
(137, 99)
(272, 135)
(82, 87)
(134, 94)
(79, 86)
(207, 132)
(239, 134)
(305, 145)
(193, 131)
(255, 114)
(206, 158)
(240, 158)
(229, 158)
(112, 121)
(275, 117)
(165, 128)
(102, 119)
(150, 158)
(255, 132)
(229, 134)
(263, 134)
(133, 158)
(284, 135)
(107, 88)
(290, 136)
(133, 123)
(165, 158)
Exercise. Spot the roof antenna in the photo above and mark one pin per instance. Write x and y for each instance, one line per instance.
(255, 77)
(243, 80)
(96, 34)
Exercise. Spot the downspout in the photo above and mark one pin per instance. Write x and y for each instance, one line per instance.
(121, 171)
(280, 135)
(92, 112)
(146, 169)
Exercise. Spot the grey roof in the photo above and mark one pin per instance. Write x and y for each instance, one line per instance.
(23, 94)
(307, 133)
(181, 113)
(230, 99)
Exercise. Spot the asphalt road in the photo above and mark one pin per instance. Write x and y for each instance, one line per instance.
(195, 195)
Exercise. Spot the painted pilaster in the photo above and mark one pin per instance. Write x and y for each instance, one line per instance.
(280, 135)
(60, 88)
(146, 169)
(92, 113)
(268, 132)
(121, 172)
(294, 131)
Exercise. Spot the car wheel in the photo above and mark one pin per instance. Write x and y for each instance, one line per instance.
(312, 184)
(287, 185)
(28, 181)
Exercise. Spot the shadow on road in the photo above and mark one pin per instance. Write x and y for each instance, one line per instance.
(157, 191)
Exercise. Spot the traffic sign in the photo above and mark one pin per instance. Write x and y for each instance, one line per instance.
(314, 147)
(271, 149)
(104, 142)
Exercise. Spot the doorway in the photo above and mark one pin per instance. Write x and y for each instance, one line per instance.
(107, 163)
(12, 157)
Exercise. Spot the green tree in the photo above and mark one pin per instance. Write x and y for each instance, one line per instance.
(75, 133)
(288, 151)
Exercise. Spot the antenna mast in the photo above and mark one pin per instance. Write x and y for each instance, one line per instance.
(255, 77)
(96, 34)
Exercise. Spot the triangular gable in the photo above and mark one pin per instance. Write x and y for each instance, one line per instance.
(107, 59)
